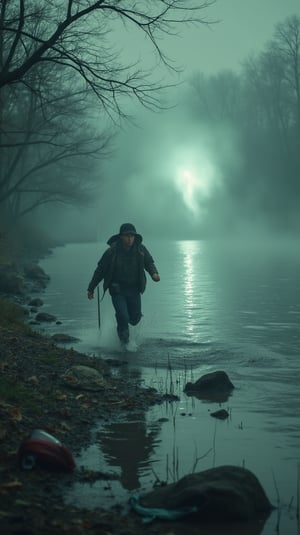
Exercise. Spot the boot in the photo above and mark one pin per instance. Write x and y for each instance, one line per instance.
(123, 335)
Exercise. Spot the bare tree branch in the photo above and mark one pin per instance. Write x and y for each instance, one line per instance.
(157, 16)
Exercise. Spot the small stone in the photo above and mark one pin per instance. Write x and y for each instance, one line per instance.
(44, 317)
(221, 414)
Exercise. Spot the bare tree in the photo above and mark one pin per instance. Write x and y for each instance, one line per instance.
(286, 45)
(272, 83)
(261, 105)
(48, 148)
(217, 98)
(74, 34)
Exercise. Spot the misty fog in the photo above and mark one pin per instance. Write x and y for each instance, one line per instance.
(221, 158)
(215, 152)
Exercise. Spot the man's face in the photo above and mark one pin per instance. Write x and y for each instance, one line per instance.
(127, 240)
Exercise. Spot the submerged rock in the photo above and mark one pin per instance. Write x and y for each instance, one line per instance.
(225, 493)
(214, 386)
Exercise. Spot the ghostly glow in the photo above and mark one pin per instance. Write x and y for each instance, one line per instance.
(193, 187)
(194, 173)
(186, 183)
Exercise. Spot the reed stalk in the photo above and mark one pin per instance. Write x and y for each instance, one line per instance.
(277, 528)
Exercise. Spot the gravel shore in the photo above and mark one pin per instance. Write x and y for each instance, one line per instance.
(35, 396)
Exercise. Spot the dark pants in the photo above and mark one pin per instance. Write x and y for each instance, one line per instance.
(127, 305)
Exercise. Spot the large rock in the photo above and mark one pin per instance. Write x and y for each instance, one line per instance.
(224, 493)
(85, 378)
(214, 386)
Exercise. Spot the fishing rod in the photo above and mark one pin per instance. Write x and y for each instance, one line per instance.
(98, 307)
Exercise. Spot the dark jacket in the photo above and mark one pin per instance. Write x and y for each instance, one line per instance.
(105, 267)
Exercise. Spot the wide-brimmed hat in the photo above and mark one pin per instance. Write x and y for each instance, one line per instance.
(127, 228)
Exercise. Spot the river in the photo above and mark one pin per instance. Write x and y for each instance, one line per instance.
(219, 306)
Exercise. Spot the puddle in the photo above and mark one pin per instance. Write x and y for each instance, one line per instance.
(123, 451)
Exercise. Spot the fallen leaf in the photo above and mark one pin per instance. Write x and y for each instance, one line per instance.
(15, 414)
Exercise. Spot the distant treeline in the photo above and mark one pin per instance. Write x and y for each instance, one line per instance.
(259, 109)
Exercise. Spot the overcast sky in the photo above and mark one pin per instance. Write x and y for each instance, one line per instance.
(147, 177)
(242, 27)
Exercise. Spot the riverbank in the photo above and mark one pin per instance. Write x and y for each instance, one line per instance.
(34, 395)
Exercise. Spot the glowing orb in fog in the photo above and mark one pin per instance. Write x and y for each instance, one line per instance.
(191, 186)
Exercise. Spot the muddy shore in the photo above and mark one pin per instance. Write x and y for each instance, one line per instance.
(35, 396)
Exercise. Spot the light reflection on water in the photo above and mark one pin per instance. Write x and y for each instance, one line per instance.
(215, 308)
(205, 295)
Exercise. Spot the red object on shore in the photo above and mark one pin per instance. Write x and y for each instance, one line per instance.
(42, 449)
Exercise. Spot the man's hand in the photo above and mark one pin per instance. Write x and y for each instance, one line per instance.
(155, 277)
(90, 295)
